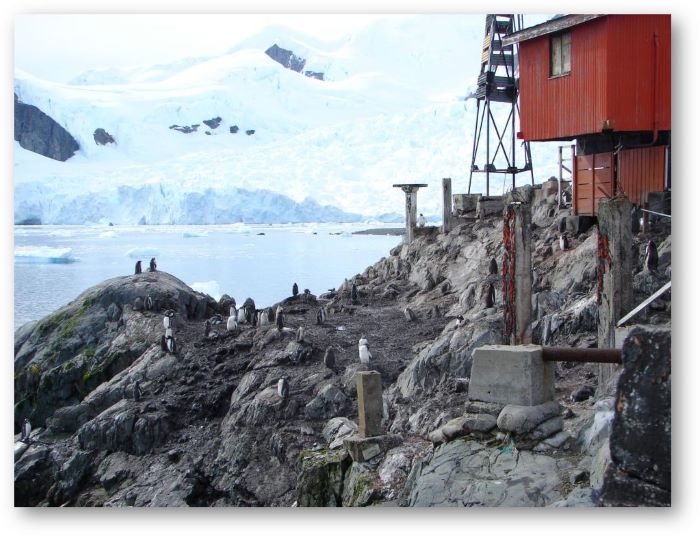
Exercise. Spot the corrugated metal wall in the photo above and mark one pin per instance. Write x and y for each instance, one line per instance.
(639, 72)
(612, 77)
(640, 171)
(569, 105)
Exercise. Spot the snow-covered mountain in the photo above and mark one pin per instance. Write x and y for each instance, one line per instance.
(239, 137)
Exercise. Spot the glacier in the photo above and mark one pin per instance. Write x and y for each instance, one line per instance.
(392, 108)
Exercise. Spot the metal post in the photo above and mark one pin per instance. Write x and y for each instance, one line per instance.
(560, 177)
(446, 204)
(517, 275)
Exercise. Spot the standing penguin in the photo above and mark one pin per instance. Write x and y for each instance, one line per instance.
(207, 328)
(493, 267)
(300, 334)
(651, 256)
(152, 265)
(562, 225)
(241, 316)
(295, 290)
(353, 294)
(363, 348)
(232, 311)
(137, 391)
(280, 319)
(148, 303)
(170, 341)
(231, 324)
(137, 269)
(460, 321)
(249, 308)
(321, 316)
(329, 358)
(563, 242)
(409, 314)
(26, 430)
(490, 296)
(163, 343)
(283, 387)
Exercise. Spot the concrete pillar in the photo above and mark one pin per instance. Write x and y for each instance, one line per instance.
(446, 205)
(615, 269)
(411, 210)
(517, 275)
(411, 191)
(369, 403)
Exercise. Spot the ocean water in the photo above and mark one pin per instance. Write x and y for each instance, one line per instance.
(232, 259)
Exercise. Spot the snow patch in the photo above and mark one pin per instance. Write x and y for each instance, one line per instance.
(208, 287)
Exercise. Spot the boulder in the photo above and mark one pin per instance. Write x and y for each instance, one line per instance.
(524, 419)
(329, 402)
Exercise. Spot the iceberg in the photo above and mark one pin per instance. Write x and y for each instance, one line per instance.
(137, 253)
(208, 287)
(44, 255)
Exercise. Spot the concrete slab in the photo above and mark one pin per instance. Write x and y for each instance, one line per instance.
(511, 375)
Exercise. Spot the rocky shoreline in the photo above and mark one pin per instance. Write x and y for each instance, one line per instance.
(209, 429)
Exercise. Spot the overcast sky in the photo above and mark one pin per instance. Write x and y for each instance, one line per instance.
(59, 47)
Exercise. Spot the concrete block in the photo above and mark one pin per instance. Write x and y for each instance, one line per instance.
(464, 203)
(363, 449)
(487, 206)
(511, 375)
(369, 403)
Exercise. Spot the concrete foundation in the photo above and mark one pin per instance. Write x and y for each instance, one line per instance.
(369, 403)
(616, 264)
(511, 375)
(466, 204)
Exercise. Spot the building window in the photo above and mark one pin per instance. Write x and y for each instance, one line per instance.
(560, 54)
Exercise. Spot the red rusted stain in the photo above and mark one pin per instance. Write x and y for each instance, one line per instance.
(604, 260)
(508, 273)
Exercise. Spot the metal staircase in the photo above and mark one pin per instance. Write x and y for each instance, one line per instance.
(498, 83)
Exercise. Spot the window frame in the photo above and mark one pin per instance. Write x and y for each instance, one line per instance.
(560, 54)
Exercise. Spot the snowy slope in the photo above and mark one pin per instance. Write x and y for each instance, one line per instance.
(390, 110)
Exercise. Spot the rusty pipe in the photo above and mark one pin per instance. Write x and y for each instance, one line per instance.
(581, 355)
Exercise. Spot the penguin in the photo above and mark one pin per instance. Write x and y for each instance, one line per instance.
(460, 321)
(321, 316)
(232, 324)
(490, 296)
(232, 311)
(563, 242)
(353, 294)
(651, 256)
(283, 387)
(26, 430)
(163, 343)
(168, 318)
(137, 391)
(137, 269)
(562, 225)
(148, 303)
(295, 290)
(241, 316)
(280, 319)
(172, 345)
(409, 314)
(216, 319)
(300, 334)
(365, 356)
(207, 328)
(152, 265)
(249, 308)
(329, 358)
(493, 267)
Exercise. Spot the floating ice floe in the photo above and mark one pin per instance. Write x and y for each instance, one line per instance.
(108, 234)
(195, 234)
(136, 253)
(63, 233)
(208, 287)
(44, 255)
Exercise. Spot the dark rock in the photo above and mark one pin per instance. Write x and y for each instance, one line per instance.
(102, 137)
(640, 438)
(212, 123)
(286, 58)
(329, 402)
(320, 480)
(583, 393)
(233, 129)
(250, 132)
(39, 133)
(313, 74)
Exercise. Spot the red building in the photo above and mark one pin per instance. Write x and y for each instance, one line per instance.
(605, 81)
